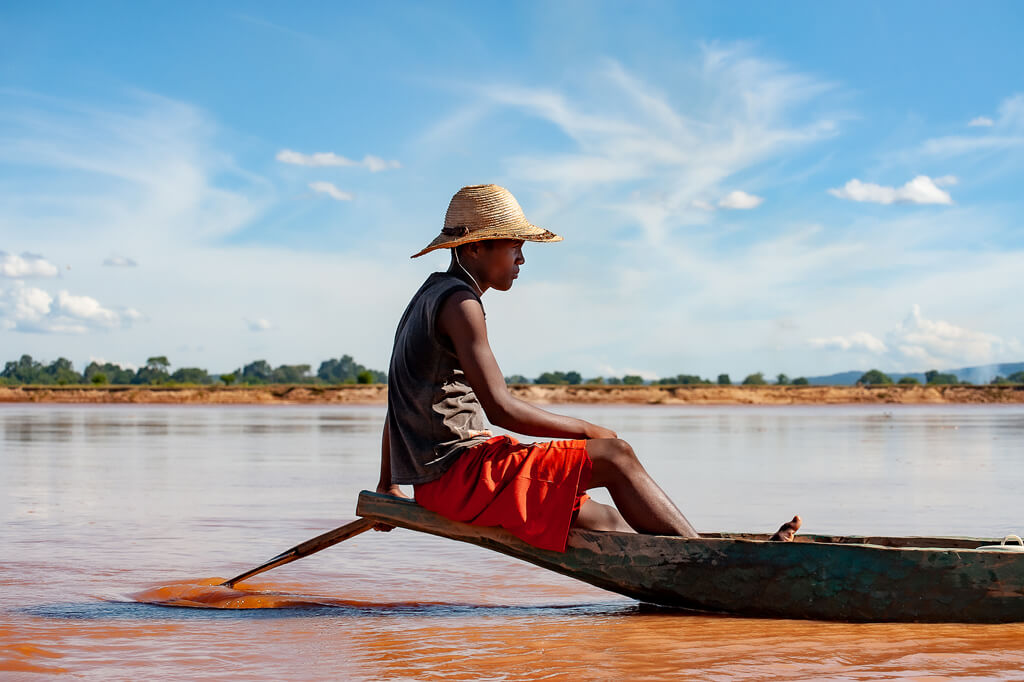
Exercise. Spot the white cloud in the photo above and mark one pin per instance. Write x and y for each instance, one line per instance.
(328, 188)
(738, 199)
(375, 164)
(87, 309)
(943, 345)
(25, 265)
(702, 204)
(919, 343)
(981, 122)
(119, 262)
(258, 325)
(30, 309)
(860, 341)
(920, 190)
(23, 305)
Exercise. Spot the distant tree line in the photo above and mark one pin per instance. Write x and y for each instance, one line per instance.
(345, 370)
(872, 377)
(157, 371)
(933, 377)
(575, 378)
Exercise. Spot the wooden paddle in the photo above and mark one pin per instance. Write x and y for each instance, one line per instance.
(311, 546)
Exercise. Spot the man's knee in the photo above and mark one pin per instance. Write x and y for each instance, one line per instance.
(612, 453)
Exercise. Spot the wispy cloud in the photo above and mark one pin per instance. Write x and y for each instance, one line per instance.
(920, 190)
(26, 265)
(328, 188)
(674, 152)
(375, 164)
(306, 38)
(30, 309)
(855, 341)
(633, 155)
(151, 163)
(1004, 133)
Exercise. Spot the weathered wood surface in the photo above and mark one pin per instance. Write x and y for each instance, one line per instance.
(817, 577)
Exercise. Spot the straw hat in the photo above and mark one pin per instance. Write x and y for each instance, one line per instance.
(480, 212)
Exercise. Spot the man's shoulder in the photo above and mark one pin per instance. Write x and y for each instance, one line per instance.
(460, 313)
(445, 280)
(442, 287)
(439, 291)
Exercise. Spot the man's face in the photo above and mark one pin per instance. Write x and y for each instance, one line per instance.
(499, 261)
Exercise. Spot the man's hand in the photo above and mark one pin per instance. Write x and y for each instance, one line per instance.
(394, 491)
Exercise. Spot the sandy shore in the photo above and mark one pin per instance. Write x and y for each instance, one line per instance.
(636, 395)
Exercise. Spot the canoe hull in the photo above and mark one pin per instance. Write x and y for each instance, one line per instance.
(821, 580)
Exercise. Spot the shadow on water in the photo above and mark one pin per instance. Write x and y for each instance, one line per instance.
(130, 610)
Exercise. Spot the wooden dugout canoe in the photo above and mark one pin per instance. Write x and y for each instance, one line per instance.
(815, 577)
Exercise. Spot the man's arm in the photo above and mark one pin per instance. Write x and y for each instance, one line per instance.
(462, 320)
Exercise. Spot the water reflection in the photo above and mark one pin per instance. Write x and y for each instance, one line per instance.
(42, 427)
(102, 501)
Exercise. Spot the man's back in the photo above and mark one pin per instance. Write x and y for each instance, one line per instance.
(433, 413)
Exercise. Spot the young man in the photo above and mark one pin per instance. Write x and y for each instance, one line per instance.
(443, 380)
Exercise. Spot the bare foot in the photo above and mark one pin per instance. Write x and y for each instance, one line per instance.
(394, 491)
(786, 531)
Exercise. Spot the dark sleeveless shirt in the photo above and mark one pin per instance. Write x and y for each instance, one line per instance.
(433, 413)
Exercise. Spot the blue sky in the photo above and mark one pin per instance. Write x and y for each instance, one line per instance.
(801, 187)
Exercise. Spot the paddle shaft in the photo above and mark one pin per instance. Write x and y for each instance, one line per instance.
(304, 549)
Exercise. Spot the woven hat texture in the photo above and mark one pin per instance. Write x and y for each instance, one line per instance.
(480, 212)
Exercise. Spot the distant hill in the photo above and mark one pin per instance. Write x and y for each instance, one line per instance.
(976, 375)
(841, 379)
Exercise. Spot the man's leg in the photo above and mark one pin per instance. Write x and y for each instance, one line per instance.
(596, 516)
(642, 503)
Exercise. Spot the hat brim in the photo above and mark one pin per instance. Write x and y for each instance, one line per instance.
(528, 232)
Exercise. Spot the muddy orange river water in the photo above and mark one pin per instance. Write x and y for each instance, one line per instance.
(119, 522)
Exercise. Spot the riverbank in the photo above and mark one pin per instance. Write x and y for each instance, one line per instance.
(622, 395)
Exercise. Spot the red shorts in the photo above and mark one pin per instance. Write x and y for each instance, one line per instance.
(533, 490)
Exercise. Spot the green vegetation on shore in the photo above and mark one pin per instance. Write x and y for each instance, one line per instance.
(157, 372)
(872, 377)
(933, 377)
(345, 370)
(573, 378)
